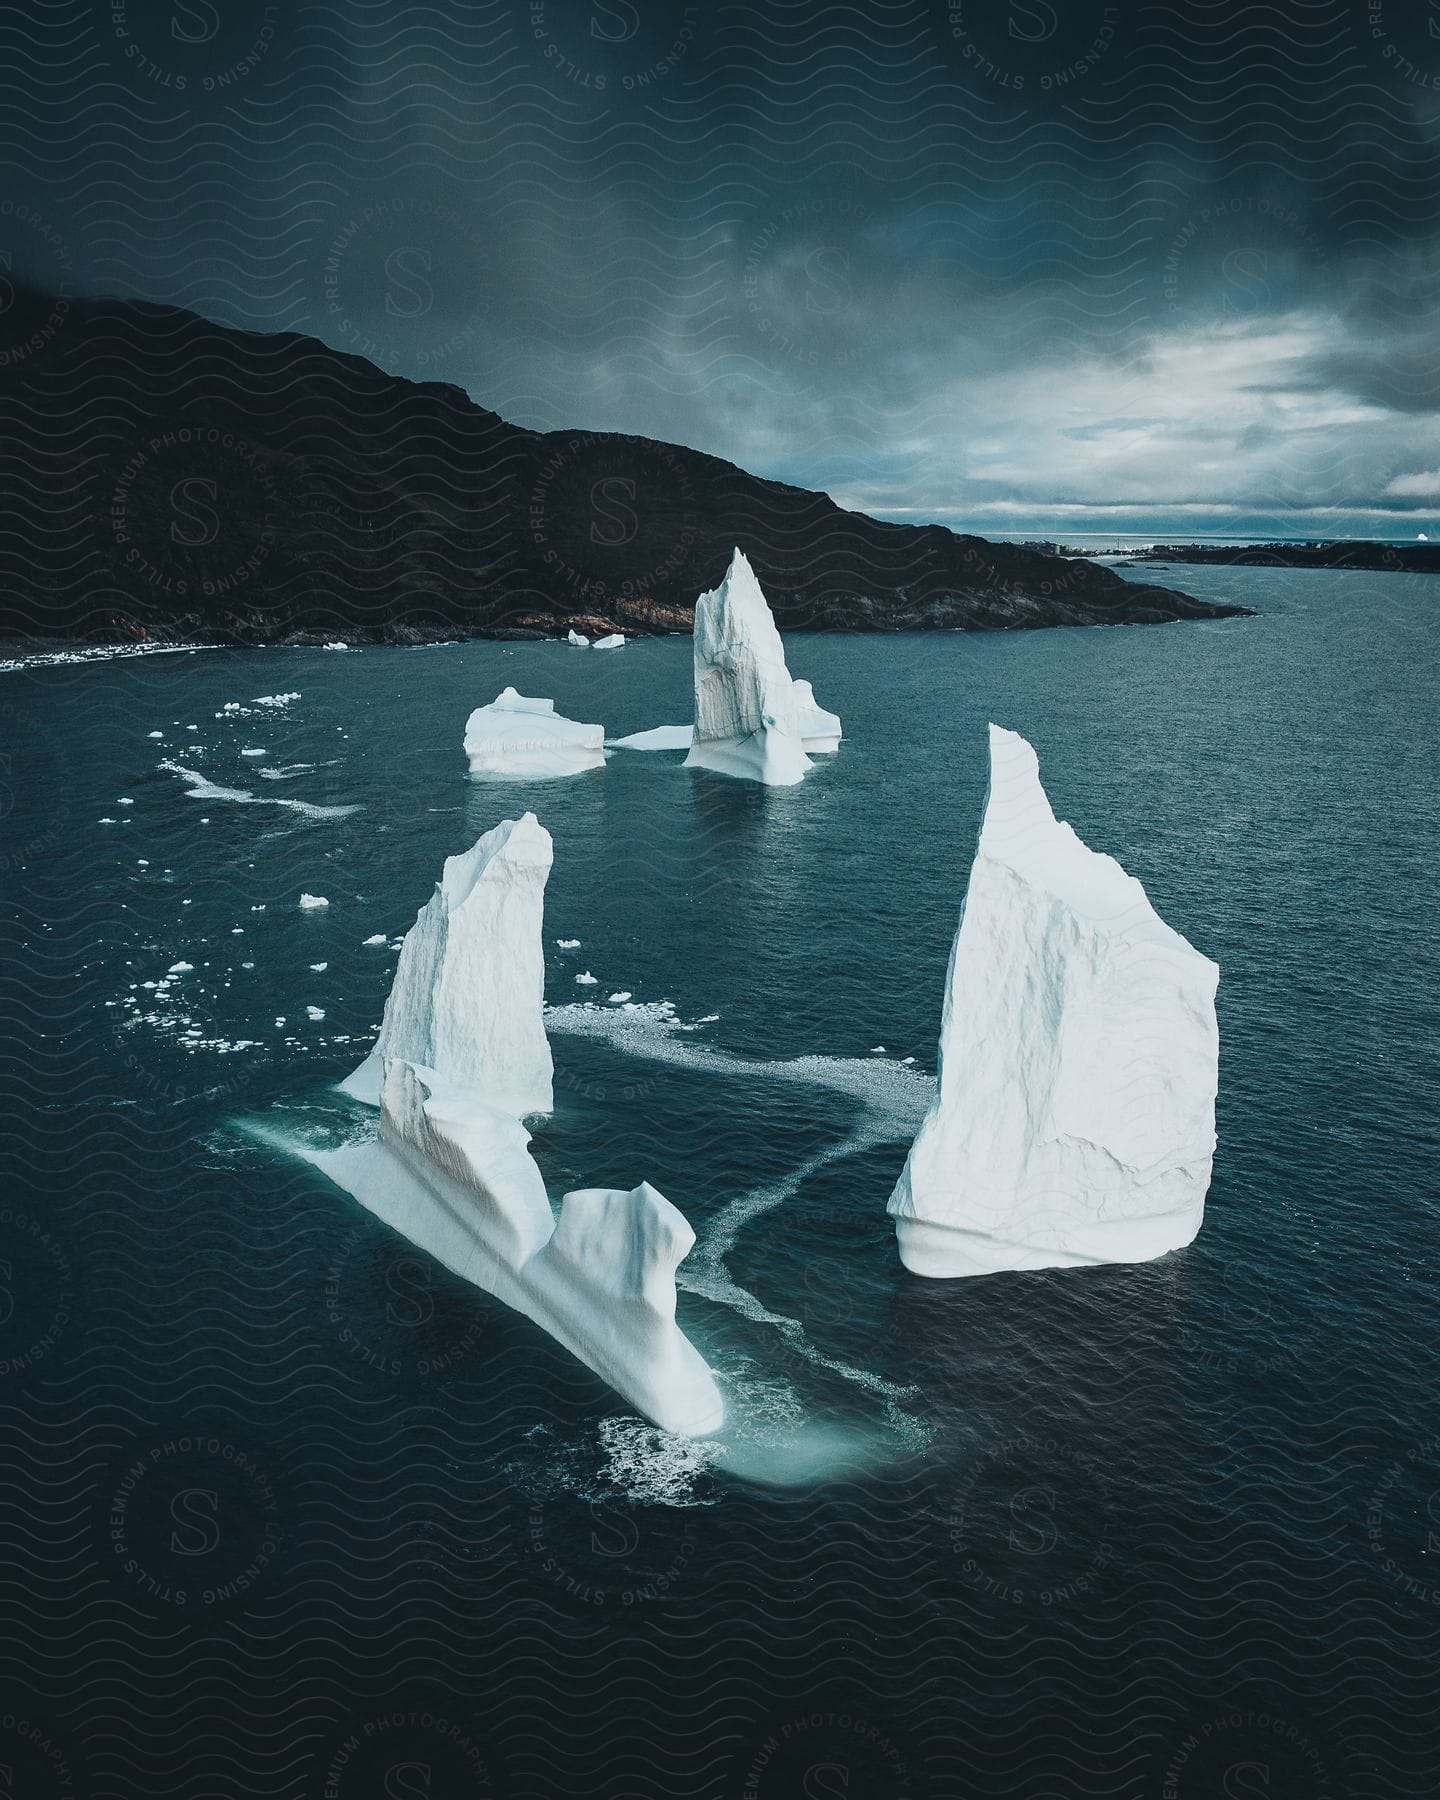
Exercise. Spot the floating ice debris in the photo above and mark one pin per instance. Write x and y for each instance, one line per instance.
(377, 937)
(254, 752)
(615, 999)
(314, 1012)
(659, 737)
(109, 821)
(259, 908)
(567, 943)
(751, 719)
(180, 968)
(337, 645)
(877, 1049)
(518, 737)
(319, 968)
(124, 802)
(578, 640)
(157, 734)
(309, 902)
(586, 980)
(615, 641)
(455, 1176)
(469, 988)
(1074, 1120)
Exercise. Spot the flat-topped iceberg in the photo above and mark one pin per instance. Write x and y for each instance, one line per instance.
(517, 737)
(751, 718)
(1074, 1119)
(470, 981)
(456, 1178)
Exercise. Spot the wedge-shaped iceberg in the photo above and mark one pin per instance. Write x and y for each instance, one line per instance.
(1074, 1118)
(518, 738)
(751, 719)
(456, 1178)
(469, 986)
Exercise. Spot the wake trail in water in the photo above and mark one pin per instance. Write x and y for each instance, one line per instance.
(202, 788)
(893, 1101)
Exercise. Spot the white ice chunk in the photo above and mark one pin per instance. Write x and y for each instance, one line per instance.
(157, 734)
(180, 968)
(319, 968)
(586, 979)
(518, 737)
(314, 1012)
(456, 1178)
(567, 943)
(336, 645)
(254, 752)
(578, 639)
(376, 937)
(615, 641)
(616, 999)
(309, 902)
(751, 719)
(819, 730)
(469, 987)
(659, 737)
(1074, 1120)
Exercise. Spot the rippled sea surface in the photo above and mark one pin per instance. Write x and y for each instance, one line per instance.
(287, 1510)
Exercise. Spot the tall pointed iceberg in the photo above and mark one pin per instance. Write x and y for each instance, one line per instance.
(751, 718)
(1074, 1117)
(469, 988)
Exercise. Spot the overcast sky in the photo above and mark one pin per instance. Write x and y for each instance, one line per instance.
(1048, 268)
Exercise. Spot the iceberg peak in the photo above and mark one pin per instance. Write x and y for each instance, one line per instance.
(751, 718)
(469, 985)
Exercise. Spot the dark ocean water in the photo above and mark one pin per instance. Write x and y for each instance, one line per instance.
(288, 1511)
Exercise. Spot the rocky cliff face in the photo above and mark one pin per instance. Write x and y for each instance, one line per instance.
(166, 477)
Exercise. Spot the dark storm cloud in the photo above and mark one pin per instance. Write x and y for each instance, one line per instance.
(949, 257)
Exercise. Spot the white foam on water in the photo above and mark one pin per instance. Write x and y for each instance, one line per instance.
(652, 1467)
(892, 1100)
(201, 788)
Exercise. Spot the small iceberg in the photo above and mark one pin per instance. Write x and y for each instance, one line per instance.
(659, 737)
(751, 719)
(615, 641)
(310, 902)
(519, 738)
(578, 639)
(1074, 1120)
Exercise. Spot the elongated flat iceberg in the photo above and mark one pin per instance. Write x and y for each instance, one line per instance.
(516, 737)
(456, 1178)
(469, 984)
(659, 737)
(1074, 1119)
(751, 718)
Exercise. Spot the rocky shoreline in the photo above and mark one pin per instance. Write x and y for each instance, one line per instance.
(172, 480)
